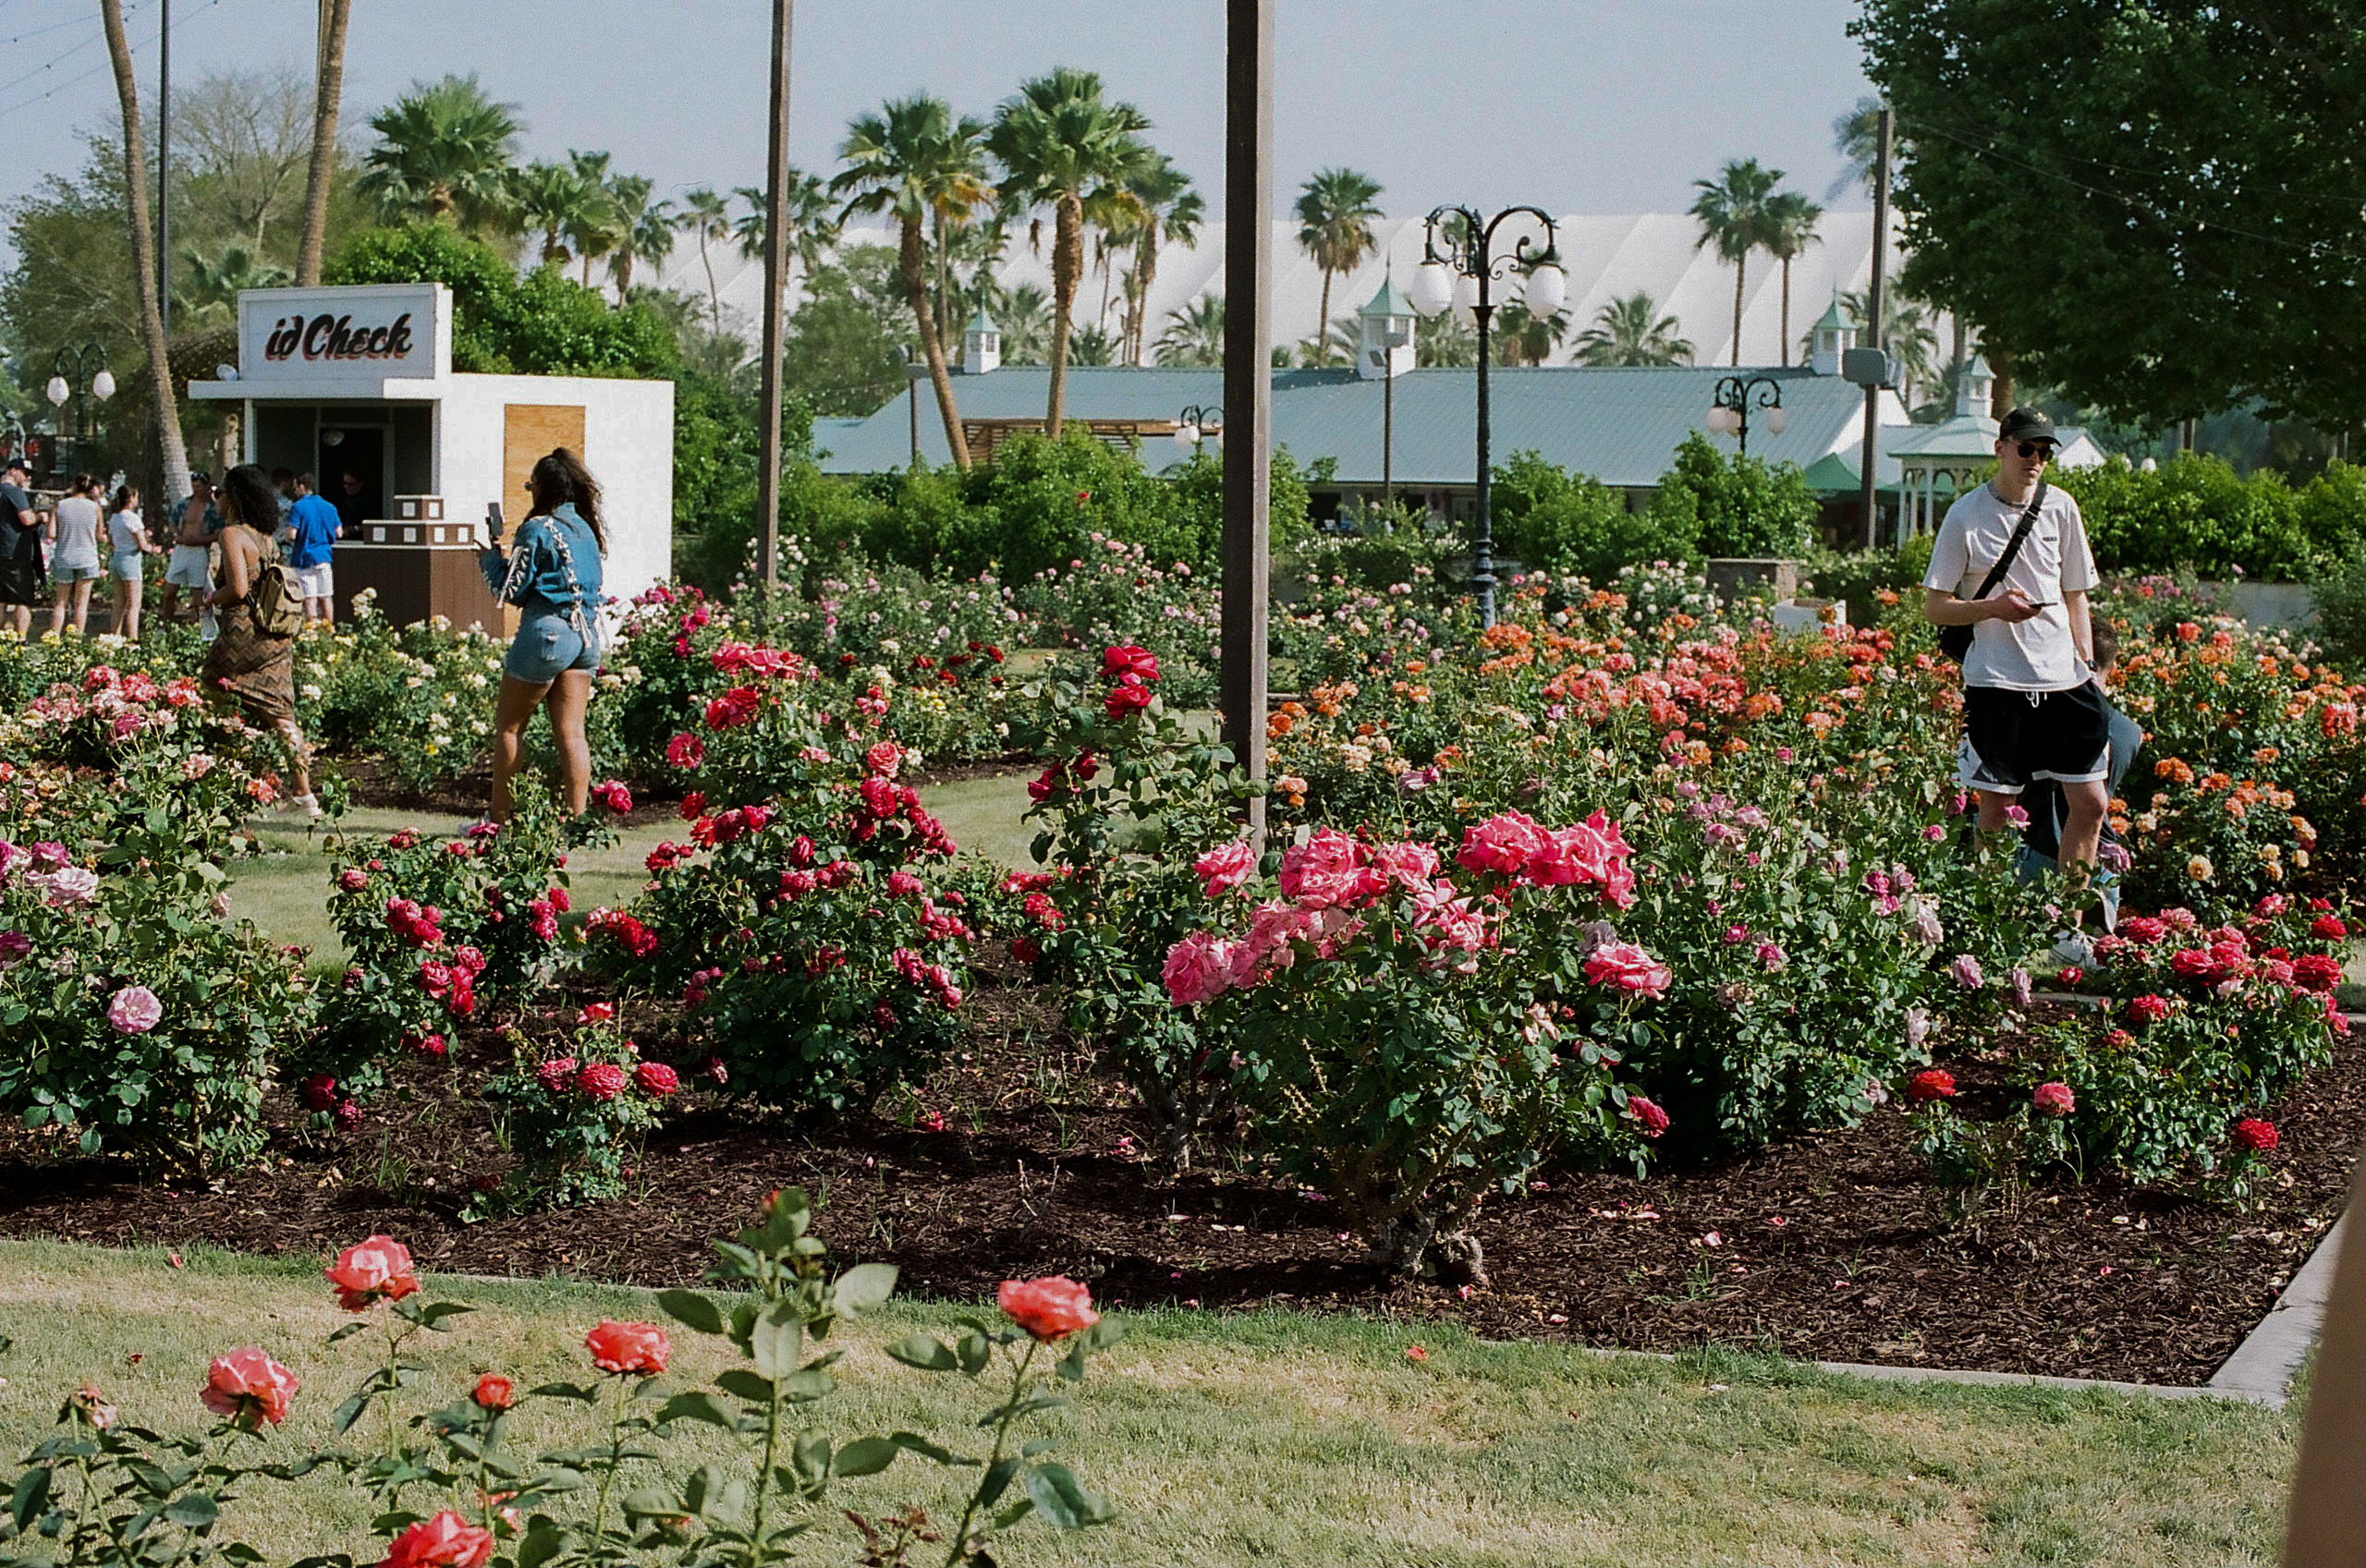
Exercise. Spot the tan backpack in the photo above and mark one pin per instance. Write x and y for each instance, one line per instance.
(277, 597)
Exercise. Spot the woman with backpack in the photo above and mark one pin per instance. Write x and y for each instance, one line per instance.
(551, 572)
(259, 606)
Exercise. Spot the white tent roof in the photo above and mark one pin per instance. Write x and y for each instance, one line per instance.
(1606, 257)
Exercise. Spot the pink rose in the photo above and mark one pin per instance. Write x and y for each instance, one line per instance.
(1652, 1119)
(248, 1387)
(370, 1271)
(1965, 969)
(1199, 969)
(1330, 870)
(1224, 867)
(134, 1010)
(445, 1541)
(2054, 1099)
(1625, 967)
(1504, 844)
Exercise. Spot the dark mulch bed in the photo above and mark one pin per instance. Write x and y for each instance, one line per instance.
(1829, 1248)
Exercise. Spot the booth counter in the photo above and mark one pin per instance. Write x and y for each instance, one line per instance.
(355, 385)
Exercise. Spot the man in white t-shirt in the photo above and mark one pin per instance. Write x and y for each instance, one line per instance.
(2031, 708)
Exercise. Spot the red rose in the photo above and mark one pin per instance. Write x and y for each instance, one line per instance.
(693, 805)
(613, 795)
(556, 1074)
(1931, 1084)
(686, 751)
(734, 708)
(629, 1347)
(1049, 1308)
(495, 1392)
(445, 1541)
(1653, 1119)
(602, 1080)
(248, 1387)
(2328, 928)
(2316, 972)
(2258, 1136)
(1128, 660)
(318, 1092)
(656, 1078)
(1129, 695)
(2149, 1009)
(367, 1272)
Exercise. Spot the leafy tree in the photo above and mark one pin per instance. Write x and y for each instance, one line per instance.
(1739, 507)
(1630, 331)
(1194, 334)
(842, 354)
(445, 152)
(210, 297)
(918, 160)
(1732, 212)
(1336, 209)
(2165, 219)
(1061, 144)
(1573, 525)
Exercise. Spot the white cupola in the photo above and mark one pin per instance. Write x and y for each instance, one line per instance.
(1973, 389)
(1834, 334)
(1385, 335)
(981, 344)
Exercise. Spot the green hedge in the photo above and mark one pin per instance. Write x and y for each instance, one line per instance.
(2195, 513)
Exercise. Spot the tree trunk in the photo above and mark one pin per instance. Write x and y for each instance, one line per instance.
(915, 269)
(714, 295)
(143, 261)
(327, 93)
(1322, 327)
(2000, 365)
(624, 277)
(1067, 271)
(1741, 271)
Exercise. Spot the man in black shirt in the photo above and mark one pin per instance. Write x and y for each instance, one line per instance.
(21, 562)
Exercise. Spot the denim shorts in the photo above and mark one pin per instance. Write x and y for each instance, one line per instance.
(62, 572)
(546, 645)
(125, 566)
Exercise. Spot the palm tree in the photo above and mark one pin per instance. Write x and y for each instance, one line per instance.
(1024, 314)
(549, 200)
(1172, 210)
(1856, 136)
(328, 91)
(706, 214)
(1632, 331)
(144, 253)
(209, 297)
(644, 230)
(1063, 145)
(1732, 214)
(444, 153)
(813, 229)
(918, 161)
(594, 226)
(1524, 339)
(1790, 229)
(1092, 347)
(1444, 342)
(1335, 212)
(1194, 334)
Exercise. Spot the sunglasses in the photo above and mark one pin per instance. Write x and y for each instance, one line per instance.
(2036, 449)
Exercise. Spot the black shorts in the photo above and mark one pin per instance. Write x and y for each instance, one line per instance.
(2013, 737)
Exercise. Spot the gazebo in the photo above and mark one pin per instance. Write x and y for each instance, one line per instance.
(1937, 463)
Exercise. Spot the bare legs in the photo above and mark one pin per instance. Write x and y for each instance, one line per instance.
(299, 756)
(78, 593)
(126, 607)
(567, 697)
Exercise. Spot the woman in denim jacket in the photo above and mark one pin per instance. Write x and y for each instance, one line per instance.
(552, 573)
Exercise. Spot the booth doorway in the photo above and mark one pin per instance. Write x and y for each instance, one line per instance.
(359, 450)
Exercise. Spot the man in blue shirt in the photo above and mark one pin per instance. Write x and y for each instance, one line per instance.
(315, 524)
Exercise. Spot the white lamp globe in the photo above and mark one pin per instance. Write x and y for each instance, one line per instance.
(1432, 289)
(59, 391)
(1187, 436)
(1547, 286)
(1777, 422)
(1722, 422)
(102, 385)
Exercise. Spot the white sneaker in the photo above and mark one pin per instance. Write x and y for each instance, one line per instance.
(2074, 947)
(307, 805)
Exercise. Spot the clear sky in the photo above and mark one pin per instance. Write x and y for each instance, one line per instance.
(1575, 106)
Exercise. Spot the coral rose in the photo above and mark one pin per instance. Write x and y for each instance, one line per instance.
(629, 1347)
(248, 1387)
(445, 1541)
(1931, 1083)
(2054, 1099)
(1049, 1308)
(371, 1272)
(495, 1392)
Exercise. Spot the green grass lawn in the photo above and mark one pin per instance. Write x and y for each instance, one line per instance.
(1271, 1437)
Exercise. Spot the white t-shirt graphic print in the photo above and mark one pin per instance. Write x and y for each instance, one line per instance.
(2036, 654)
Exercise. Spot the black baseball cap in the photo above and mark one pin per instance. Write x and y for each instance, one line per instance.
(2028, 424)
(15, 464)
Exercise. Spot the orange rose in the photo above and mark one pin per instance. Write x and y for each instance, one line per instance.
(367, 1272)
(248, 1387)
(1050, 1309)
(445, 1541)
(629, 1347)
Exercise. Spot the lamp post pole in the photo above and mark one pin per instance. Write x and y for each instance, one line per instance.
(769, 396)
(1458, 243)
(1247, 385)
(73, 378)
(1729, 409)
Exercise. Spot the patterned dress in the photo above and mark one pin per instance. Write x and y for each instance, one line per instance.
(255, 670)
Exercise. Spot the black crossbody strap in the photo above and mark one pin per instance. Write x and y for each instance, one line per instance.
(2013, 546)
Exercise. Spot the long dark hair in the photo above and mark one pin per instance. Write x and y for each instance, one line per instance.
(561, 478)
(247, 497)
(124, 496)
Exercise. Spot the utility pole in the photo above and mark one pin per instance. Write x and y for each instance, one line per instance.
(1884, 130)
(164, 163)
(776, 275)
(1248, 380)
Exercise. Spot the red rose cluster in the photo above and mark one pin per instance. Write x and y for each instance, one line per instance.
(1134, 671)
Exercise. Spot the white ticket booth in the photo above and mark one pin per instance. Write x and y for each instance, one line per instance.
(355, 385)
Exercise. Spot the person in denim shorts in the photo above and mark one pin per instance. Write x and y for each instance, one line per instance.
(552, 573)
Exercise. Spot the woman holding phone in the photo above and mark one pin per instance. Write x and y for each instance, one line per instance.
(551, 571)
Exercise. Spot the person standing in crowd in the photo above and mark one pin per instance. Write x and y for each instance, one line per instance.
(312, 529)
(252, 666)
(129, 547)
(21, 562)
(284, 481)
(191, 567)
(551, 572)
(350, 504)
(73, 552)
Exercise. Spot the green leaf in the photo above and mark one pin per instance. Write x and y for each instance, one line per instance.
(542, 1542)
(194, 1511)
(777, 1341)
(808, 1384)
(912, 1443)
(347, 1333)
(745, 1384)
(1023, 1407)
(926, 1352)
(974, 1350)
(1102, 1335)
(1013, 1514)
(865, 1456)
(996, 1481)
(1061, 1497)
(692, 1310)
(565, 1390)
(699, 1405)
(433, 1316)
(865, 1286)
(350, 1410)
(29, 1498)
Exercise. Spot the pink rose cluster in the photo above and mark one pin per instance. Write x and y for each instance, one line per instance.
(1516, 846)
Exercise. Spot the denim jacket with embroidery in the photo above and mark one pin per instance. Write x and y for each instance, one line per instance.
(553, 559)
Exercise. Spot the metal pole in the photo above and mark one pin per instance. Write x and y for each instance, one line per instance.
(776, 277)
(164, 163)
(912, 398)
(1884, 130)
(1248, 379)
(1482, 539)
(1388, 430)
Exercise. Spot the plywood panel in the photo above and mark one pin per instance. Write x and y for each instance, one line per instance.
(529, 431)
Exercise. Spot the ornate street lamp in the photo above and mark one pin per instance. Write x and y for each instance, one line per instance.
(71, 377)
(1199, 422)
(1461, 266)
(1729, 410)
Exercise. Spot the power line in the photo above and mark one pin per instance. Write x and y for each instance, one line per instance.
(67, 54)
(105, 65)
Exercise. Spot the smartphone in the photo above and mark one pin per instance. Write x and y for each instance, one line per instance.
(493, 520)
